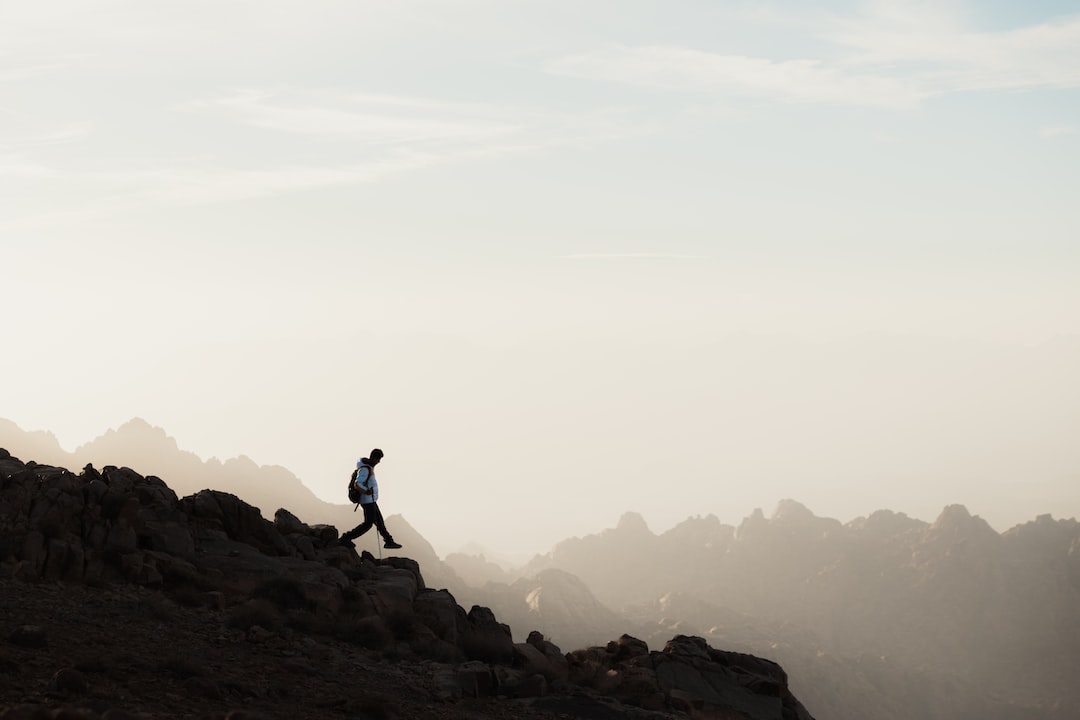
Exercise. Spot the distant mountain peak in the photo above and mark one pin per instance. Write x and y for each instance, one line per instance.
(956, 521)
(953, 516)
(138, 423)
(788, 509)
(632, 522)
(135, 431)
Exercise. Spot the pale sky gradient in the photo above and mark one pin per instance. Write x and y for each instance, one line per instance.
(561, 260)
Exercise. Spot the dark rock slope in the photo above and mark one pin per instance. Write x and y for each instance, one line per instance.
(119, 599)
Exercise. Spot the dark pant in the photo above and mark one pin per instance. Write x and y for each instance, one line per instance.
(372, 516)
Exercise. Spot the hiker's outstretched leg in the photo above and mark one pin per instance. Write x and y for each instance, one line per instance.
(347, 538)
(380, 524)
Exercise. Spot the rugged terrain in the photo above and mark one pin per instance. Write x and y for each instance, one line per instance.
(121, 599)
(885, 617)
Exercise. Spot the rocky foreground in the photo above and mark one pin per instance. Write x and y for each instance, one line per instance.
(120, 600)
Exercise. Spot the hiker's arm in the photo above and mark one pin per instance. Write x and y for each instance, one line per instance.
(361, 481)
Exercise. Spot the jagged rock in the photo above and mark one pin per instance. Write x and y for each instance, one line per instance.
(688, 676)
(438, 610)
(701, 679)
(69, 681)
(485, 638)
(532, 661)
(324, 535)
(287, 523)
(29, 636)
(238, 520)
(65, 560)
(172, 537)
(556, 660)
(627, 647)
(474, 679)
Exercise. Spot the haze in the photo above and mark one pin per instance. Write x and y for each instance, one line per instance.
(559, 260)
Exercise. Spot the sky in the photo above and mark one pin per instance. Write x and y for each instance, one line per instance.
(559, 260)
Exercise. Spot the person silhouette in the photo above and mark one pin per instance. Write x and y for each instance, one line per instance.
(368, 486)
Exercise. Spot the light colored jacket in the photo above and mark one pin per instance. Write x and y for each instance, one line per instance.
(365, 480)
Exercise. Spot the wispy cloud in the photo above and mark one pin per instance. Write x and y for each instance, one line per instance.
(676, 68)
(312, 139)
(942, 54)
(897, 55)
(1056, 130)
(18, 68)
(366, 120)
(630, 256)
(14, 143)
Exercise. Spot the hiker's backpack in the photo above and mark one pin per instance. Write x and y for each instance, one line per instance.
(354, 492)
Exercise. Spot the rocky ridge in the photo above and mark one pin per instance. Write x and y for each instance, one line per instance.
(121, 599)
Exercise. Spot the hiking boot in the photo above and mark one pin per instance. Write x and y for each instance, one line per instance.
(346, 542)
(391, 545)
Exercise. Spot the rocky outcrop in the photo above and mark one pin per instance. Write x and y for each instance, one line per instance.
(213, 551)
(689, 676)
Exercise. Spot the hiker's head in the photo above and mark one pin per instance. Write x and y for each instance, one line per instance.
(375, 456)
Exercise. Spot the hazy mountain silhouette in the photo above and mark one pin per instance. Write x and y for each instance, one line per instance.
(556, 601)
(946, 620)
(476, 570)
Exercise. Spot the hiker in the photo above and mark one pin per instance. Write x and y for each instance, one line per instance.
(369, 500)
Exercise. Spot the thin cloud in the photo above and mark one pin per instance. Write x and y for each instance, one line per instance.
(677, 68)
(897, 57)
(319, 139)
(140, 190)
(630, 256)
(943, 55)
(15, 143)
(25, 68)
(366, 118)
(1056, 130)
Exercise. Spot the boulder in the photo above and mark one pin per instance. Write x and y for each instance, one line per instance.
(438, 610)
(238, 520)
(690, 672)
(486, 639)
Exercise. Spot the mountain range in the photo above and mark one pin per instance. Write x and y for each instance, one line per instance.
(885, 617)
